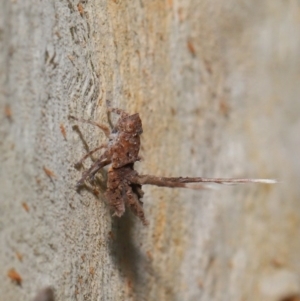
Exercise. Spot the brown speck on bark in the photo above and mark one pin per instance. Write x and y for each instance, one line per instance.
(149, 255)
(14, 276)
(49, 172)
(111, 235)
(96, 192)
(208, 66)
(80, 8)
(170, 3)
(191, 47)
(277, 262)
(25, 206)
(19, 256)
(63, 131)
(200, 284)
(8, 112)
(181, 15)
(224, 106)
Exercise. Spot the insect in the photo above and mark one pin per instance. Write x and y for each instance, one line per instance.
(124, 184)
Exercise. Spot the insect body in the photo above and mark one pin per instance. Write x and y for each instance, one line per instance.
(124, 184)
(123, 145)
(124, 141)
(121, 152)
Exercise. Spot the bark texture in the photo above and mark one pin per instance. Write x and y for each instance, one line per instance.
(216, 84)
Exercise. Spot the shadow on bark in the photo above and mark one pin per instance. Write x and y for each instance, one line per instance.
(127, 256)
(134, 265)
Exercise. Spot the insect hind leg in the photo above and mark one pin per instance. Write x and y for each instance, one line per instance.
(136, 206)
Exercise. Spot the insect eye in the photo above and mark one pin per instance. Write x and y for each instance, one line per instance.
(129, 127)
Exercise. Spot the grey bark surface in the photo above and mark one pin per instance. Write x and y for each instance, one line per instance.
(217, 87)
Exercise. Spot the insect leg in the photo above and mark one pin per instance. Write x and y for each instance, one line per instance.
(103, 127)
(90, 173)
(115, 110)
(120, 112)
(89, 154)
(116, 200)
(135, 205)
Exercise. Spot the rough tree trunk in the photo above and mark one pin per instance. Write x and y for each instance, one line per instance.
(217, 87)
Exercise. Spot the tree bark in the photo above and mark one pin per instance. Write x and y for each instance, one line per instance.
(217, 87)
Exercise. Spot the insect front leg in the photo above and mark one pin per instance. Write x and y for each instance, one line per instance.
(117, 111)
(90, 153)
(120, 112)
(103, 127)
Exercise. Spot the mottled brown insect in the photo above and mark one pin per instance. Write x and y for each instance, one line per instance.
(123, 143)
(124, 184)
